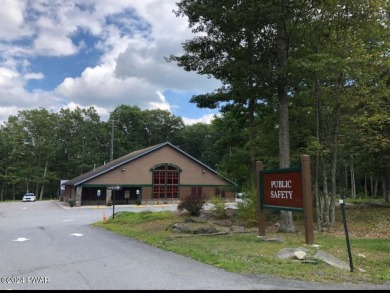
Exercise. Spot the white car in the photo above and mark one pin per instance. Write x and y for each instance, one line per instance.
(240, 196)
(29, 197)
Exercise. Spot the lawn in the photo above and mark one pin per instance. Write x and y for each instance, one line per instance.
(237, 248)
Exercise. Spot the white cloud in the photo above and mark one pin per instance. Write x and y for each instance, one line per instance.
(33, 75)
(6, 76)
(204, 119)
(11, 19)
(132, 36)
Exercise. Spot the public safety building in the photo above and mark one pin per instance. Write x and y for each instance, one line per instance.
(158, 174)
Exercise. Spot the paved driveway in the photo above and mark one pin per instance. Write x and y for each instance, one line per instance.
(48, 246)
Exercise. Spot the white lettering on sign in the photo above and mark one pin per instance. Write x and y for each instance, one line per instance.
(281, 184)
(287, 194)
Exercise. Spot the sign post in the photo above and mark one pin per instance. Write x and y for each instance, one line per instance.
(138, 197)
(307, 199)
(113, 188)
(342, 203)
(260, 210)
(98, 196)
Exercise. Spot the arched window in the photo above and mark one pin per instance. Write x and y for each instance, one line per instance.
(166, 181)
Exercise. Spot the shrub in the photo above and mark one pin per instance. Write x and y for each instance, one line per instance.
(192, 203)
(219, 207)
(71, 202)
(247, 207)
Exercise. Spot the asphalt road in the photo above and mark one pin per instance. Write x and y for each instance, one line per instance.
(50, 246)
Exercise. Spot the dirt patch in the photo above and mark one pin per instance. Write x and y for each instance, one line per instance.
(208, 223)
(363, 221)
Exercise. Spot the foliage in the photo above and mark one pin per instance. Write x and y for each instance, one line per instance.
(192, 203)
(199, 140)
(232, 142)
(135, 129)
(80, 138)
(247, 207)
(218, 207)
(71, 202)
(319, 59)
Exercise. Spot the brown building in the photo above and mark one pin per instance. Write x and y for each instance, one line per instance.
(158, 174)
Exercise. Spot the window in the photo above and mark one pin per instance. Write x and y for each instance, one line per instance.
(219, 192)
(197, 191)
(165, 181)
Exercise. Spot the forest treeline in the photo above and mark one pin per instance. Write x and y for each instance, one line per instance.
(39, 148)
(299, 77)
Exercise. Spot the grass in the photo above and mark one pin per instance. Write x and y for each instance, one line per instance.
(245, 253)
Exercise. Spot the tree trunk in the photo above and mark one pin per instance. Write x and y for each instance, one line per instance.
(384, 188)
(43, 184)
(376, 187)
(316, 193)
(332, 210)
(316, 197)
(252, 147)
(372, 186)
(365, 185)
(346, 176)
(353, 184)
(251, 113)
(325, 204)
(3, 185)
(286, 219)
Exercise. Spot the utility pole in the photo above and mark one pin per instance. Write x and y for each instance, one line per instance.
(112, 134)
(112, 142)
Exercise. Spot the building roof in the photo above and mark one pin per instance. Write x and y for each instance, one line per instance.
(128, 158)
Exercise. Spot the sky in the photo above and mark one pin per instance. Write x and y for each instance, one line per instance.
(81, 53)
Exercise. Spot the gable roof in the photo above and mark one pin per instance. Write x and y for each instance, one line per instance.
(131, 157)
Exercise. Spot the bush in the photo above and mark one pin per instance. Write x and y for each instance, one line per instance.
(247, 207)
(219, 207)
(192, 203)
(71, 202)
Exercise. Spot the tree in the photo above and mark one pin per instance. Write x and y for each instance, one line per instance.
(135, 129)
(82, 144)
(199, 140)
(33, 150)
(234, 48)
(12, 154)
(126, 122)
(245, 44)
(160, 126)
(344, 42)
(232, 143)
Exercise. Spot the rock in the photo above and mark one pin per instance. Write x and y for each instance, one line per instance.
(205, 230)
(181, 228)
(330, 259)
(270, 239)
(301, 255)
(188, 228)
(290, 252)
(238, 229)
